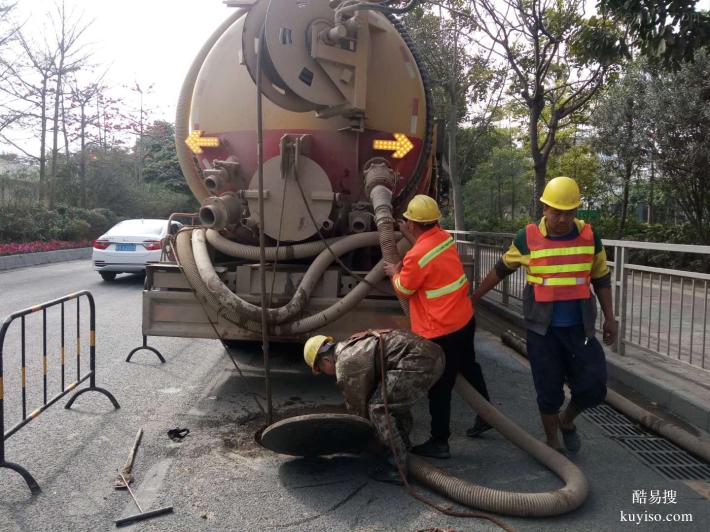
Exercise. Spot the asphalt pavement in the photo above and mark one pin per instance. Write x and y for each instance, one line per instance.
(219, 478)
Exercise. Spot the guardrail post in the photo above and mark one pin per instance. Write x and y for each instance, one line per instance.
(620, 296)
(506, 290)
(476, 261)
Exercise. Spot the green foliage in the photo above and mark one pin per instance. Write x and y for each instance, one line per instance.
(608, 227)
(599, 40)
(156, 200)
(160, 157)
(31, 223)
(669, 31)
(680, 106)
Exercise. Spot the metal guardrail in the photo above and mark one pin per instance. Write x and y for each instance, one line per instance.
(90, 375)
(660, 310)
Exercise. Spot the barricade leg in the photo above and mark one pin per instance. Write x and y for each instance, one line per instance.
(29, 479)
(146, 347)
(92, 374)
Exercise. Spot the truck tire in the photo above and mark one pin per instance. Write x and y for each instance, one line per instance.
(108, 276)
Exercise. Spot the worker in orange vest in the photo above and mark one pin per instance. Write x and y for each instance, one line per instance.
(563, 257)
(431, 276)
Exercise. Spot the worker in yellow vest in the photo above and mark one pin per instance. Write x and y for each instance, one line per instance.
(563, 258)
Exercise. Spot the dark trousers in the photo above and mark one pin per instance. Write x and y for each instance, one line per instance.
(460, 357)
(566, 354)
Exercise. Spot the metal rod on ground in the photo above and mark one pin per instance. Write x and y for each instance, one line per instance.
(142, 515)
(126, 477)
(262, 253)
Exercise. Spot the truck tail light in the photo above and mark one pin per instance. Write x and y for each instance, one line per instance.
(101, 244)
(151, 245)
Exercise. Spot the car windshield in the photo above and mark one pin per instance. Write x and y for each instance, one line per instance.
(139, 227)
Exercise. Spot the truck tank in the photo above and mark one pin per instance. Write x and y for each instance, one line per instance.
(345, 132)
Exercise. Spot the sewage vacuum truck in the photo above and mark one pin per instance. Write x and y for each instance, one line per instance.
(345, 132)
(331, 97)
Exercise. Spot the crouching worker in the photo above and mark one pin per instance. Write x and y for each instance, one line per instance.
(412, 365)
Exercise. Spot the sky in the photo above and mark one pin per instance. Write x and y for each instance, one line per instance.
(146, 41)
(149, 42)
(143, 41)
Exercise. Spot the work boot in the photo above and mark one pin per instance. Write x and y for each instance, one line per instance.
(433, 449)
(479, 427)
(386, 474)
(571, 439)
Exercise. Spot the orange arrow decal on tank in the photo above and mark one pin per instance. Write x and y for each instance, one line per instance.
(401, 145)
(195, 141)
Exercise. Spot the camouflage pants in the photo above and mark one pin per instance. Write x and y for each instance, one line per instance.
(406, 383)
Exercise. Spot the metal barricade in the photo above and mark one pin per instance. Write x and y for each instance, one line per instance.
(90, 375)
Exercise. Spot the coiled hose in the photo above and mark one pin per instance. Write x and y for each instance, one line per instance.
(245, 251)
(556, 502)
(227, 298)
(186, 260)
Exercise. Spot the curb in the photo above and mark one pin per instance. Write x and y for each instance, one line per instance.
(12, 262)
(687, 407)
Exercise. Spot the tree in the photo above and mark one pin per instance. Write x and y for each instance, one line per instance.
(69, 58)
(464, 86)
(161, 162)
(680, 106)
(622, 136)
(545, 43)
(26, 95)
(669, 31)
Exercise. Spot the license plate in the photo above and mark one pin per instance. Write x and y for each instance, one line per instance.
(125, 247)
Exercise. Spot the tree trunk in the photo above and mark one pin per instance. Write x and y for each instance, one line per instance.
(43, 144)
(539, 158)
(55, 134)
(628, 170)
(651, 182)
(456, 191)
(82, 160)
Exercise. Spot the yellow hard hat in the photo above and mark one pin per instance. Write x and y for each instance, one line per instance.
(312, 346)
(422, 209)
(562, 193)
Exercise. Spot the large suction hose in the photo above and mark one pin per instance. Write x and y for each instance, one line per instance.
(299, 300)
(543, 504)
(186, 260)
(289, 252)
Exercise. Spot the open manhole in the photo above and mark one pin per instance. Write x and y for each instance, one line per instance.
(318, 434)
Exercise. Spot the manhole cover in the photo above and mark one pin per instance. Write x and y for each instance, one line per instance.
(318, 434)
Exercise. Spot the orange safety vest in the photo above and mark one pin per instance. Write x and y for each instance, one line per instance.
(560, 270)
(433, 280)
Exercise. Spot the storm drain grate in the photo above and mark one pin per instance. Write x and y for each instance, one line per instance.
(666, 457)
(612, 422)
(658, 453)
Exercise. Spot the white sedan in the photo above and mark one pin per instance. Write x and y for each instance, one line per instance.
(128, 246)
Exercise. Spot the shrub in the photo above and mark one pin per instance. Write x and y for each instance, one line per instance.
(34, 247)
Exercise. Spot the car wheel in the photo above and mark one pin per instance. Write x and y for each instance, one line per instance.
(108, 276)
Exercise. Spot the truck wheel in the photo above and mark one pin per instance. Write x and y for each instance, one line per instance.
(108, 276)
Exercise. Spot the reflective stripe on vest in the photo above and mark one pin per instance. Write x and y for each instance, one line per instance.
(561, 252)
(560, 270)
(435, 252)
(448, 289)
(405, 291)
(557, 281)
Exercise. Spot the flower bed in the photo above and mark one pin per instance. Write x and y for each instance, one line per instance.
(38, 246)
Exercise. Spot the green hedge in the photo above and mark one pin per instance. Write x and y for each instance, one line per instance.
(31, 223)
